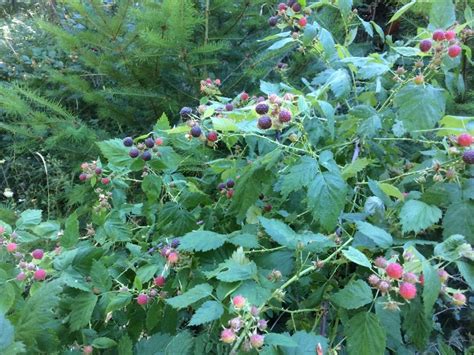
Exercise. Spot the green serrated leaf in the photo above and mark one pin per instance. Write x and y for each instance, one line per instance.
(401, 11)
(7, 333)
(379, 236)
(277, 339)
(299, 175)
(467, 272)
(416, 325)
(103, 343)
(125, 346)
(119, 301)
(431, 287)
(100, 276)
(356, 294)
(115, 152)
(28, 219)
(182, 344)
(307, 343)
(81, 310)
(390, 321)
(458, 220)
(195, 294)
(71, 232)
(202, 241)
(355, 167)
(416, 216)
(365, 335)
(208, 312)
(357, 257)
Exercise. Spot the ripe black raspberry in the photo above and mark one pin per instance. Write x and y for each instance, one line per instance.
(296, 7)
(261, 108)
(468, 157)
(284, 116)
(150, 142)
(128, 141)
(146, 155)
(186, 112)
(230, 183)
(264, 122)
(134, 152)
(196, 131)
(273, 21)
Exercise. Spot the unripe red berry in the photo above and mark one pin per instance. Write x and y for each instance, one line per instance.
(282, 6)
(468, 157)
(173, 257)
(438, 35)
(239, 301)
(425, 45)
(407, 290)
(159, 141)
(380, 262)
(212, 136)
(159, 281)
(88, 349)
(37, 254)
(284, 116)
(142, 299)
(39, 275)
(454, 51)
(303, 22)
(230, 193)
(383, 286)
(264, 122)
(459, 299)
(465, 139)
(257, 340)
(228, 336)
(21, 276)
(244, 96)
(450, 35)
(11, 247)
(83, 177)
(394, 270)
(105, 181)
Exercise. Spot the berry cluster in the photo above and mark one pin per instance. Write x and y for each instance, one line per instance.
(290, 14)
(196, 131)
(465, 140)
(446, 43)
(90, 170)
(210, 87)
(271, 111)
(27, 263)
(227, 188)
(248, 323)
(143, 149)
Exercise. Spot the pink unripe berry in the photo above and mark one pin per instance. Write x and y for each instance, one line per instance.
(459, 299)
(142, 299)
(394, 270)
(407, 290)
(438, 35)
(83, 177)
(228, 336)
(39, 275)
(21, 276)
(254, 311)
(37, 254)
(303, 22)
(257, 340)
(425, 45)
(88, 349)
(159, 141)
(380, 262)
(173, 257)
(239, 301)
(374, 280)
(450, 35)
(443, 275)
(383, 286)
(11, 247)
(454, 51)
(159, 281)
(282, 6)
(262, 324)
(422, 280)
(105, 181)
(410, 277)
(236, 323)
(465, 140)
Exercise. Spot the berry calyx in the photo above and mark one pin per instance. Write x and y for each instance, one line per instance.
(383, 286)
(394, 270)
(465, 140)
(159, 281)
(284, 116)
(146, 155)
(450, 35)
(459, 299)
(212, 136)
(303, 22)
(438, 35)
(142, 299)
(443, 275)
(262, 108)
(454, 51)
(407, 290)
(133, 153)
(264, 122)
(228, 336)
(37, 254)
(186, 112)
(425, 45)
(127, 141)
(150, 142)
(11, 247)
(39, 275)
(468, 157)
(196, 131)
(239, 301)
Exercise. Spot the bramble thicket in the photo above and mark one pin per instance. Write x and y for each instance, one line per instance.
(237, 177)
